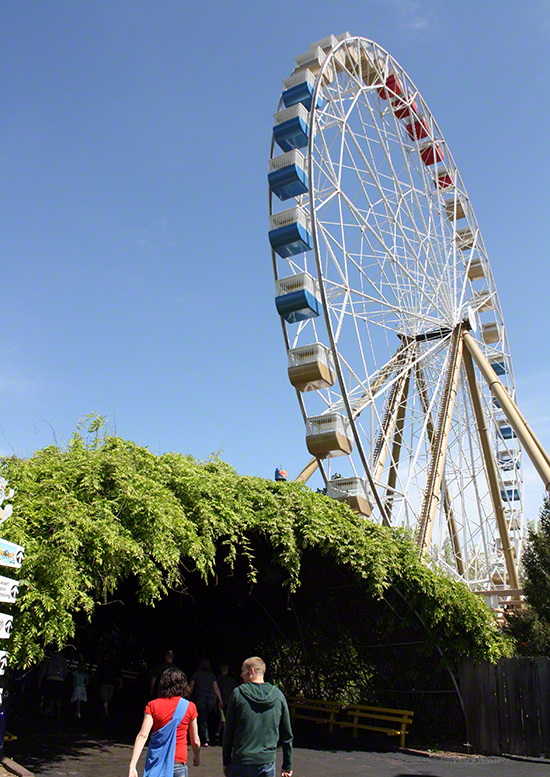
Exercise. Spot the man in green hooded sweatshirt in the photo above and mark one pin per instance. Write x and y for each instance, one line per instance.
(256, 719)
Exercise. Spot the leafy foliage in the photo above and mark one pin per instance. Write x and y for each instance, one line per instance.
(531, 627)
(103, 510)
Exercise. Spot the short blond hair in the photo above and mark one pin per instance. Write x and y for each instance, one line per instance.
(256, 663)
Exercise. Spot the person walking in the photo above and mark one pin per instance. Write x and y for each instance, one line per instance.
(80, 681)
(52, 681)
(226, 684)
(256, 719)
(171, 717)
(159, 670)
(205, 691)
(108, 677)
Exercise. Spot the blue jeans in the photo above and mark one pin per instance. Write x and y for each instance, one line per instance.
(252, 770)
(180, 770)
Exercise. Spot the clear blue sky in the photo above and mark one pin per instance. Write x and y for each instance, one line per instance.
(137, 277)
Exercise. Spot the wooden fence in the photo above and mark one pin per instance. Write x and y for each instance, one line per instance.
(507, 706)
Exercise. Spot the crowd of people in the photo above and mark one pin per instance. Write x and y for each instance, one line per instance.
(253, 716)
(247, 719)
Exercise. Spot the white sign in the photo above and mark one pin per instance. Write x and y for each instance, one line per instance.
(11, 555)
(6, 623)
(8, 589)
(3, 663)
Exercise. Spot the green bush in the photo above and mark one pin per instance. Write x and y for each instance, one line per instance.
(103, 510)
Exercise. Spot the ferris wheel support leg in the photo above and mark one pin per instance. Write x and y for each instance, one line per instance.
(396, 448)
(447, 504)
(532, 446)
(492, 474)
(441, 439)
(307, 471)
(393, 408)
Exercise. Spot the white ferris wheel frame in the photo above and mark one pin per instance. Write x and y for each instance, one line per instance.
(409, 268)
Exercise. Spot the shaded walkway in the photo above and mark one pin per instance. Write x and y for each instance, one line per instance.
(102, 748)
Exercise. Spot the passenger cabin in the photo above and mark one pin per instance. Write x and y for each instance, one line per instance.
(353, 491)
(311, 367)
(454, 208)
(499, 368)
(476, 270)
(287, 175)
(392, 87)
(297, 297)
(505, 430)
(372, 68)
(405, 107)
(431, 152)
(312, 60)
(299, 88)
(290, 232)
(291, 127)
(443, 178)
(491, 332)
(509, 493)
(464, 238)
(417, 128)
(482, 301)
(328, 435)
(507, 461)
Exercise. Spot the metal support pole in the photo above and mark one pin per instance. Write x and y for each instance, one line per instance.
(447, 506)
(532, 447)
(388, 425)
(492, 472)
(439, 448)
(307, 471)
(396, 448)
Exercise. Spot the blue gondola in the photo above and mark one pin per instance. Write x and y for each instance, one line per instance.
(291, 128)
(499, 368)
(289, 232)
(299, 88)
(287, 175)
(297, 298)
(510, 495)
(507, 433)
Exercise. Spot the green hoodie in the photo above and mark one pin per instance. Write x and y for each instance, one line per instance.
(256, 719)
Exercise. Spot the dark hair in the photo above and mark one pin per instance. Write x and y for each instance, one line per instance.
(205, 665)
(173, 682)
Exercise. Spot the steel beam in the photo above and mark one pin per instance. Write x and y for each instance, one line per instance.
(492, 472)
(388, 425)
(441, 439)
(396, 448)
(531, 445)
(447, 505)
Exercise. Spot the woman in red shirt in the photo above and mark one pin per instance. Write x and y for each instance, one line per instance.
(170, 716)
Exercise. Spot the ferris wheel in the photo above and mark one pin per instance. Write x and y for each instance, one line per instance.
(395, 337)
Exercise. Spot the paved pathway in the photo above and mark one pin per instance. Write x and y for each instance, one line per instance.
(103, 749)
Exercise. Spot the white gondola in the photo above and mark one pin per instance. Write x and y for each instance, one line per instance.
(491, 332)
(464, 238)
(476, 269)
(353, 491)
(311, 367)
(329, 435)
(482, 301)
(454, 208)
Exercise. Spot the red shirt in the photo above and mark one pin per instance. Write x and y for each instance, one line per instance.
(161, 710)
